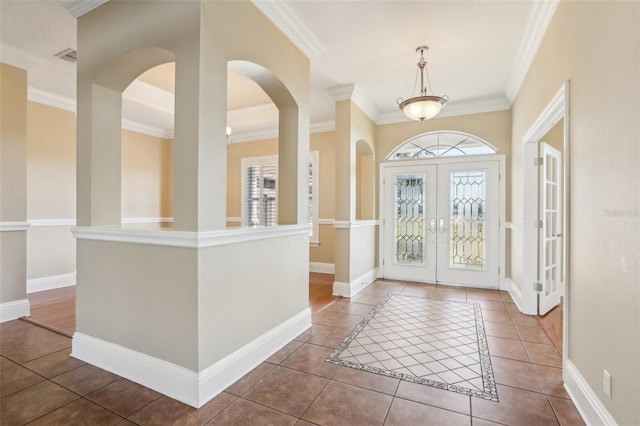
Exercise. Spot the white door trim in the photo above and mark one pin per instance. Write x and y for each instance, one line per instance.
(556, 110)
(503, 284)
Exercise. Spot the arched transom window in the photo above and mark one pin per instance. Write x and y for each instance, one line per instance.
(441, 144)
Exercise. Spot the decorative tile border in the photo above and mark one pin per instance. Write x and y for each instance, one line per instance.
(489, 390)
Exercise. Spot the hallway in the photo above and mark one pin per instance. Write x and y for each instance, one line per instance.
(43, 385)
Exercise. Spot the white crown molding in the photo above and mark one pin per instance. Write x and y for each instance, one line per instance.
(14, 226)
(51, 99)
(342, 93)
(188, 239)
(360, 99)
(537, 25)
(356, 95)
(269, 131)
(79, 7)
(146, 129)
(254, 133)
(323, 126)
(475, 106)
(150, 96)
(19, 58)
(291, 25)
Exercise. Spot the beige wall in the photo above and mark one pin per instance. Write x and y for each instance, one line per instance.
(324, 143)
(51, 189)
(51, 153)
(596, 45)
(494, 127)
(146, 175)
(13, 182)
(555, 136)
(51, 185)
(135, 303)
(232, 298)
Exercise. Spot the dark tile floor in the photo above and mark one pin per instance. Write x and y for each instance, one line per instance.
(43, 385)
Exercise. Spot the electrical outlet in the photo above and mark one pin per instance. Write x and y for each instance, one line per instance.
(606, 382)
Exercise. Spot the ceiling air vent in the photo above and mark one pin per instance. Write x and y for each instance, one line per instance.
(68, 55)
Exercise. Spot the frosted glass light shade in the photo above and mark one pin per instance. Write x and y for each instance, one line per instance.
(423, 108)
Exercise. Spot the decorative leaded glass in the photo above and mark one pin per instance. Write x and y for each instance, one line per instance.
(468, 216)
(409, 220)
(441, 144)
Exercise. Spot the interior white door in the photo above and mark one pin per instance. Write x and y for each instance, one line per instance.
(441, 223)
(410, 223)
(550, 233)
(469, 224)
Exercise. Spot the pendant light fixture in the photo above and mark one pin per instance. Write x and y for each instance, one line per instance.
(425, 106)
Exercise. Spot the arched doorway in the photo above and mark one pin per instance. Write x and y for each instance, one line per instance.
(442, 204)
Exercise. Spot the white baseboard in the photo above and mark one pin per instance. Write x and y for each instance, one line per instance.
(514, 292)
(355, 286)
(51, 282)
(190, 387)
(14, 310)
(589, 406)
(219, 376)
(322, 268)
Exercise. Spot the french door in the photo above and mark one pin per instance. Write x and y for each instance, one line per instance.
(441, 223)
(550, 273)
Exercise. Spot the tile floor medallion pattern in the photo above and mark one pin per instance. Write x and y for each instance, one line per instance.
(438, 343)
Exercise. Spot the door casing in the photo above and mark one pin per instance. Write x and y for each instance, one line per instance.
(451, 160)
(523, 293)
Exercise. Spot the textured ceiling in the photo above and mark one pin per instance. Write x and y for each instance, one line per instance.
(475, 50)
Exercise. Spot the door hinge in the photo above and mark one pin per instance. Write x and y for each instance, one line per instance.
(537, 287)
(538, 161)
(537, 224)
(498, 269)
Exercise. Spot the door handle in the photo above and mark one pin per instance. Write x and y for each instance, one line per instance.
(441, 225)
(432, 225)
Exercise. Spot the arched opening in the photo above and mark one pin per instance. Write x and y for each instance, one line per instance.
(106, 134)
(147, 149)
(444, 143)
(365, 177)
(261, 107)
(252, 153)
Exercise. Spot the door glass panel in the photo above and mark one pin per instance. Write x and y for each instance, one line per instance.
(467, 219)
(409, 218)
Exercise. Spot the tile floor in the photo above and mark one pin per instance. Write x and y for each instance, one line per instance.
(439, 343)
(42, 385)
